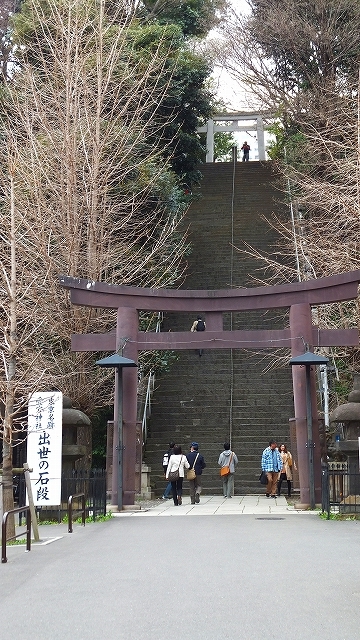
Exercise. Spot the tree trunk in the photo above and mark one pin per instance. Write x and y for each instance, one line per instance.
(8, 495)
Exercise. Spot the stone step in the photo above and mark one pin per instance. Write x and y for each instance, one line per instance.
(194, 399)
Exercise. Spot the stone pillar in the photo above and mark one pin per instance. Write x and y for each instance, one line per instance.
(301, 332)
(126, 334)
(210, 141)
(261, 138)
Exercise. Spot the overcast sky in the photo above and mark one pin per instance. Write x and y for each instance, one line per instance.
(228, 90)
(236, 97)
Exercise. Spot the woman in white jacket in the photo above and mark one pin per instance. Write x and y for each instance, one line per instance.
(177, 462)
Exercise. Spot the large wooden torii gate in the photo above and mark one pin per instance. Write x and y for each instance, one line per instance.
(298, 297)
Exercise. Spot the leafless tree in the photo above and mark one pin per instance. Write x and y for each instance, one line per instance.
(300, 61)
(85, 192)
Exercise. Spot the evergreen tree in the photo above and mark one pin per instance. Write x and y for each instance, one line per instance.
(189, 100)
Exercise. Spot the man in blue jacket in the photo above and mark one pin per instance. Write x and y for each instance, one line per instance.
(271, 463)
(196, 460)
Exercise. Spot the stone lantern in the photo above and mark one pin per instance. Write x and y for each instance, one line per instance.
(73, 421)
(347, 416)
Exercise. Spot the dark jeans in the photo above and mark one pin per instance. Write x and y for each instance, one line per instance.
(177, 489)
(167, 490)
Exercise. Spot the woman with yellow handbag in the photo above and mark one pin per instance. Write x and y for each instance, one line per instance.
(227, 461)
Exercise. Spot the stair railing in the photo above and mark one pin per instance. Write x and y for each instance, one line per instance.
(149, 391)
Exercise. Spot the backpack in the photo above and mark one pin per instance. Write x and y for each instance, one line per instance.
(165, 459)
(200, 326)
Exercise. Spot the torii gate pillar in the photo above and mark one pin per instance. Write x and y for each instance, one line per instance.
(301, 325)
(126, 340)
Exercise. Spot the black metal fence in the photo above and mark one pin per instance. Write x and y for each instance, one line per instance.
(340, 489)
(90, 482)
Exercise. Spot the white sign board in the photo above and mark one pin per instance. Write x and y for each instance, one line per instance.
(44, 444)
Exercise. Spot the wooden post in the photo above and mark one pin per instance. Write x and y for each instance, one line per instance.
(210, 141)
(31, 502)
(1, 507)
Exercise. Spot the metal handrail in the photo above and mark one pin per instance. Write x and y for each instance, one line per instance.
(147, 405)
(149, 390)
(70, 510)
(4, 540)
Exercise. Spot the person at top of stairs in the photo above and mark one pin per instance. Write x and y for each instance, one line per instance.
(198, 325)
(246, 150)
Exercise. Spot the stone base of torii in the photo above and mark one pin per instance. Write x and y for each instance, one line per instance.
(299, 297)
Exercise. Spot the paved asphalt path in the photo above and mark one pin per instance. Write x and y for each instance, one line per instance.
(249, 577)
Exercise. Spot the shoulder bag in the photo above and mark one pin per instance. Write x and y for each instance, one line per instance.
(225, 471)
(263, 478)
(191, 475)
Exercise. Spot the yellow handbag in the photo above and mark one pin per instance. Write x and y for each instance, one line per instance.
(225, 471)
(191, 475)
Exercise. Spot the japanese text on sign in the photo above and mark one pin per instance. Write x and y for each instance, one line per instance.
(44, 447)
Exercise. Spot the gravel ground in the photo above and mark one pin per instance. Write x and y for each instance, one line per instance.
(148, 504)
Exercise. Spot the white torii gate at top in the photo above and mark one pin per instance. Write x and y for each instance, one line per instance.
(233, 121)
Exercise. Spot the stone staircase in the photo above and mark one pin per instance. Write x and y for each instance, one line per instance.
(224, 393)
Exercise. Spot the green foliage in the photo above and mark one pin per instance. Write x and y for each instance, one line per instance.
(223, 146)
(158, 361)
(344, 385)
(188, 100)
(289, 144)
(337, 516)
(194, 17)
(99, 434)
(88, 519)
(102, 518)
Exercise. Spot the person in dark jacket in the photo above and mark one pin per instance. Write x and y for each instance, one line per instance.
(196, 460)
(246, 150)
(198, 325)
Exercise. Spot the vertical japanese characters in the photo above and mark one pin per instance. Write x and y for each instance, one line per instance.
(44, 447)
